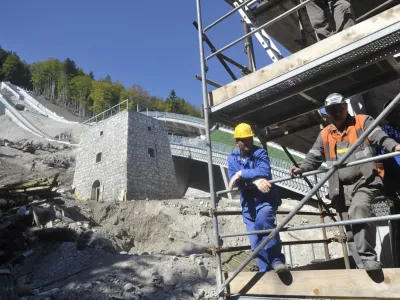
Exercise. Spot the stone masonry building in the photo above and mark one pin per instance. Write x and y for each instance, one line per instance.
(126, 156)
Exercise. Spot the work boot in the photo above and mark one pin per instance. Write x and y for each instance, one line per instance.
(280, 267)
(371, 265)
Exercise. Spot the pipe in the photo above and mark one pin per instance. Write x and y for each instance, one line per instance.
(307, 197)
(351, 164)
(250, 2)
(207, 213)
(320, 202)
(292, 243)
(314, 226)
(208, 139)
(290, 11)
(210, 82)
(322, 220)
(344, 245)
(376, 9)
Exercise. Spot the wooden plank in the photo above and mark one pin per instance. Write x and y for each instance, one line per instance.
(353, 284)
(305, 56)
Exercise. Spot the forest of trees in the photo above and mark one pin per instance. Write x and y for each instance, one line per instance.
(65, 84)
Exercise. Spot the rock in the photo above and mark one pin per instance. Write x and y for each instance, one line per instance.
(123, 252)
(49, 224)
(87, 285)
(129, 287)
(192, 257)
(175, 258)
(29, 148)
(114, 220)
(149, 290)
(187, 288)
(171, 280)
(195, 234)
(199, 294)
(156, 277)
(36, 292)
(132, 251)
(201, 202)
(129, 296)
(202, 271)
(171, 238)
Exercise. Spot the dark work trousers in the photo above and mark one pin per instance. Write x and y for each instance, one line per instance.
(361, 238)
(328, 17)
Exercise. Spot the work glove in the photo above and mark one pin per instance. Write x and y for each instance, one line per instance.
(235, 177)
(263, 185)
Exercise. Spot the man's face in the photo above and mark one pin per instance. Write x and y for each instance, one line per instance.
(245, 144)
(337, 112)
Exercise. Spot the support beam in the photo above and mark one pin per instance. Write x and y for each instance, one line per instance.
(210, 82)
(393, 62)
(350, 284)
(226, 181)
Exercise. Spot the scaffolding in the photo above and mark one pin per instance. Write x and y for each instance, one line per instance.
(224, 287)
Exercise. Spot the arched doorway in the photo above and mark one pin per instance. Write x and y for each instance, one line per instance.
(95, 190)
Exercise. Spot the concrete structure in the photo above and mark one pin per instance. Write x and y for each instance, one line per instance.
(128, 157)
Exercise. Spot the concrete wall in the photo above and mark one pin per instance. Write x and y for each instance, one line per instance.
(149, 177)
(126, 166)
(111, 171)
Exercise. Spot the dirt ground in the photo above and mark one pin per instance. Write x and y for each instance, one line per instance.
(122, 250)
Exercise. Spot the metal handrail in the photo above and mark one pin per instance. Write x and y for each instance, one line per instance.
(306, 174)
(316, 226)
(285, 14)
(250, 2)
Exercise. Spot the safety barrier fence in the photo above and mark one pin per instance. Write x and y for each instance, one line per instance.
(195, 148)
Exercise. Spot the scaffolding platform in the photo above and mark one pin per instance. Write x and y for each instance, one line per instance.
(331, 284)
(351, 62)
(287, 32)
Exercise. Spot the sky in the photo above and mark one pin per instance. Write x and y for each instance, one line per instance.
(148, 43)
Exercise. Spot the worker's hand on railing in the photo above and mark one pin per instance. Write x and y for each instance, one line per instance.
(263, 185)
(235, 177)
(397, 148)
(294, 171)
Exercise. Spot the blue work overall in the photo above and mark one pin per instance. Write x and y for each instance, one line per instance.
(258, 209)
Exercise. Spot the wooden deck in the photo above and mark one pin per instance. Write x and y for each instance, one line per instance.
(344, 284)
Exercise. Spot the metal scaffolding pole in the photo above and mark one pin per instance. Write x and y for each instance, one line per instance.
(351, 164)
(315, 226)
(290, 11)
(208, 139)
(229, 13)
(320, 202)
(331, 171)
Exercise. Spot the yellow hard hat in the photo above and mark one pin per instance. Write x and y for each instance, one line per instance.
(243, 131)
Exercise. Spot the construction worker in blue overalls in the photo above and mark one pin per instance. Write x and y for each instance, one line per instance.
(249, 165)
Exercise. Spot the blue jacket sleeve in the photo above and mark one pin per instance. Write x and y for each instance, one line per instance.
(262, 167)
(232, 168)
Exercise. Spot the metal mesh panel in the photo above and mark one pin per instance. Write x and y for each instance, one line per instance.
(380, 206)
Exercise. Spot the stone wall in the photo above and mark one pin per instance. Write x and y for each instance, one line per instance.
(149, 177)
(127, 142)
(108, 137)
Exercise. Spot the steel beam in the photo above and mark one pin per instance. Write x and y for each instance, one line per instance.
(208, 139)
